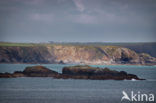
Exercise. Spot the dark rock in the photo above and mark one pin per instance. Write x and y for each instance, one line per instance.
(74, 72)
(33, 71)
(87, 72)
(61, 62)
(6, 75)
(18, 74)
(38, 71)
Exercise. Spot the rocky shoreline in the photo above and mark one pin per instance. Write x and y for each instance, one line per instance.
(73, 72)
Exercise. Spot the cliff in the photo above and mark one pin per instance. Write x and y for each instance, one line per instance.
(139, 47)
(79, 54)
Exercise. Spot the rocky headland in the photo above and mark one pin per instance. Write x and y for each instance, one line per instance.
(72, 54)
(73, 72)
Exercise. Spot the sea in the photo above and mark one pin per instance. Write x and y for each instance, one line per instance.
(50, 90)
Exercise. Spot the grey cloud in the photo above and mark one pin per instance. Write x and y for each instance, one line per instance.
(84, 19)
(79, 4)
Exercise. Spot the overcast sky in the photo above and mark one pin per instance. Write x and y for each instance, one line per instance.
(78, 20)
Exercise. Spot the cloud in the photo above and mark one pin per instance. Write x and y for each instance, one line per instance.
(95, 15)
(60, 1)
(34, 2)
(42, 17)
(29, 2)
(79, 5)
(101, 17)
(84, 19)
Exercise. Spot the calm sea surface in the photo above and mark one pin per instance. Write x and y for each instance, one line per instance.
(49, 90)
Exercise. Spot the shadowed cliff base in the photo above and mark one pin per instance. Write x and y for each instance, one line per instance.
(73, 72)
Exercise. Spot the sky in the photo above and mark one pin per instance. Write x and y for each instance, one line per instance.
(78, 20)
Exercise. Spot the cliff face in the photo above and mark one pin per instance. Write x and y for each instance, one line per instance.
(73, 54)
(25, 55)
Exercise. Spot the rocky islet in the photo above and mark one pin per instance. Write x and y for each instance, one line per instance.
(73, 72)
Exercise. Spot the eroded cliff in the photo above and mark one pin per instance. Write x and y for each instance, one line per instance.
(73, 54)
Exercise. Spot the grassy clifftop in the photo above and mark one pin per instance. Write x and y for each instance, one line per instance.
(8, 44)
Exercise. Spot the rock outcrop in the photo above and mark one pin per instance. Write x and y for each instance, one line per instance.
(74, 72)
(33, 71)
(39, 71)
(87, 72)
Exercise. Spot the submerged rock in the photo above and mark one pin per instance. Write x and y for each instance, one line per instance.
(74, 72)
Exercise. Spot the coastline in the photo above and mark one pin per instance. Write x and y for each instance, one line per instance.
(86, 64)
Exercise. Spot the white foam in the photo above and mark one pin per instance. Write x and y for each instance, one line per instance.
(133, 79)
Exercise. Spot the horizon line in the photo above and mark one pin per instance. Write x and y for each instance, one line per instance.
(51, 42)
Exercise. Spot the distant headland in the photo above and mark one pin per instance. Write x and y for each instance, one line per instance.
(68, 53)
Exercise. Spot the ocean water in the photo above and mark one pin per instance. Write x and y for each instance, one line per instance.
(49, 90)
